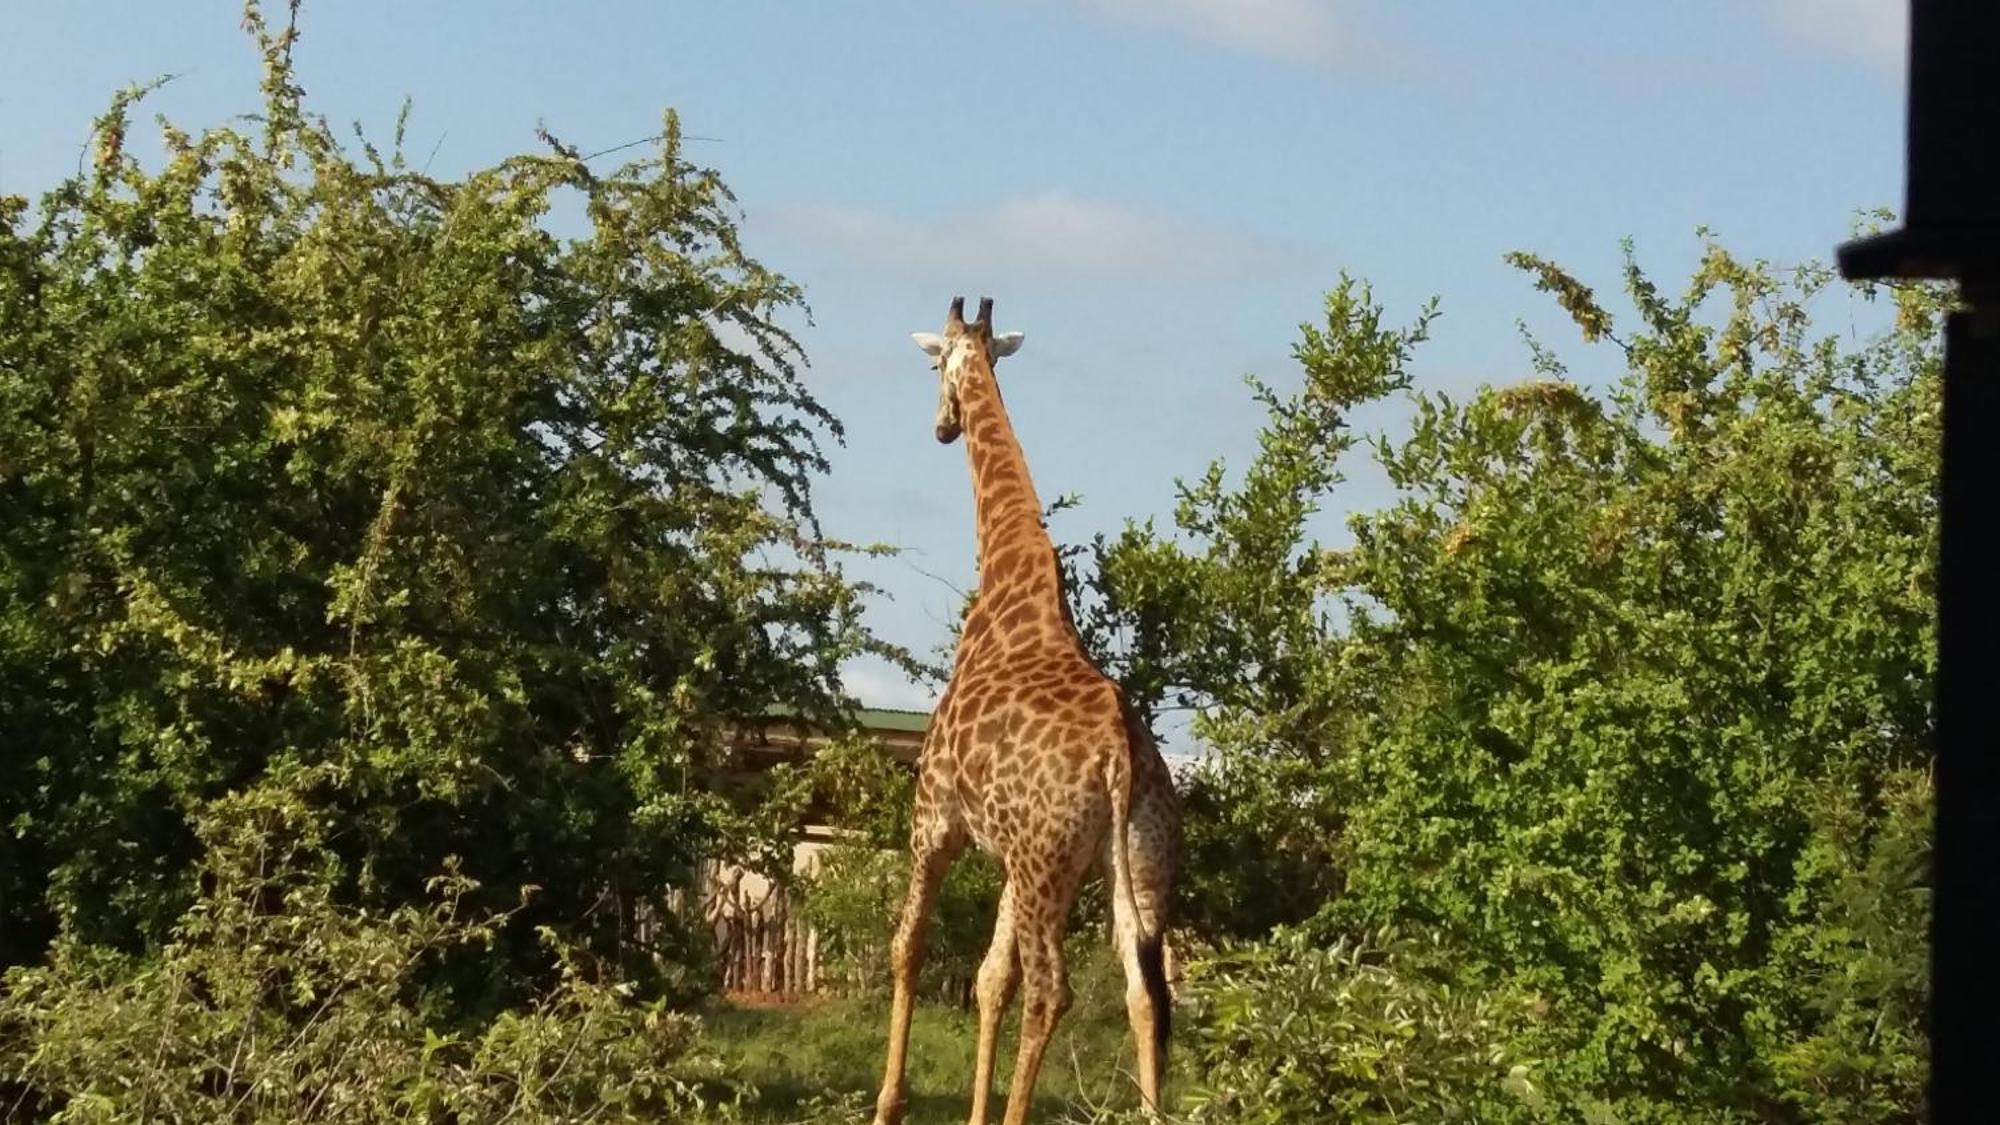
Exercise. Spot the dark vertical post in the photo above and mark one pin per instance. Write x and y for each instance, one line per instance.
(1952, 230)
(1964, 933)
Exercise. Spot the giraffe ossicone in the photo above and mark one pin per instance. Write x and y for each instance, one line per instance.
(1035, 756)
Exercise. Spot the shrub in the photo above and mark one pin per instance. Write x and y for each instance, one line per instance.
(1294, 1029)
(856, 897)
(1625, 699)
(273, 1003)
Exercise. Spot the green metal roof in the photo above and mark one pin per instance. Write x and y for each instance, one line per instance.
(874, 718)
(882, 718)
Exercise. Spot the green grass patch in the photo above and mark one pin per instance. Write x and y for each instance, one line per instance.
(828, 1048)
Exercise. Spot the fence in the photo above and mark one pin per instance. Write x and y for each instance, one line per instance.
(763, 942)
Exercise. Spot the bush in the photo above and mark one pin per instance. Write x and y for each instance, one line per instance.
(1858, 1051)
(1293, 1029)
(856, 896)
(1626, 699)
(272, 1003)
(308, 458)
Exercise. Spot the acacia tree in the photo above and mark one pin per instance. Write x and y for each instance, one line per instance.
(1624, 704)
(311, 463)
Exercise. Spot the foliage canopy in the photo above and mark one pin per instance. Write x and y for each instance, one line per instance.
(1624, 701)
(315, 465)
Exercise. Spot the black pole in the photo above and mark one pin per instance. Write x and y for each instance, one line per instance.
(1964, 935)
(1952, 230)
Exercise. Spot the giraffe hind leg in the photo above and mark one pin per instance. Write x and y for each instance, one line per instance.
(1044, 891)
(1139, 943)
(1045, 996)
(999, 975)
(1139, 933)
(932, 850)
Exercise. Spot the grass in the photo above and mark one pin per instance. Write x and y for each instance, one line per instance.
(830, 1048)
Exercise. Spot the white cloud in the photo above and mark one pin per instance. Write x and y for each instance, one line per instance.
(1875, 31)
(1315, 32)
(1052, 236)
(876, 684)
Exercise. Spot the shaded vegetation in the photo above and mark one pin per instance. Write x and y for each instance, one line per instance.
(272, 1002)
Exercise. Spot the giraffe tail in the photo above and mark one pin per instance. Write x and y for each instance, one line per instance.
(1151, 948)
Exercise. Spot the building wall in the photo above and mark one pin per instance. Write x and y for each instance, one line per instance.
(762, 940)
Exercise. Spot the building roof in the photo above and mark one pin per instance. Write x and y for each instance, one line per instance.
(873, 718)
(883, 718)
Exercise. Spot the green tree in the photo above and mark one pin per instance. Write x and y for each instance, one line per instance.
(1235, 617)
(309, 459)
(1625, 701)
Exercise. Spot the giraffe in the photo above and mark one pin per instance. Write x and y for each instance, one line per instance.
(1035, 756)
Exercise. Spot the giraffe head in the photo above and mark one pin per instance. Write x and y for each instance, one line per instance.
(960, 346)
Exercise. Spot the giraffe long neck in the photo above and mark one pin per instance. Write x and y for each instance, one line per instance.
(1016, 557)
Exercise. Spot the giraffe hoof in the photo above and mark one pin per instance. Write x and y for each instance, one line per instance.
(889, 1111)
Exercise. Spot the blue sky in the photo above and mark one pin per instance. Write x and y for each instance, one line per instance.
(1156, 191)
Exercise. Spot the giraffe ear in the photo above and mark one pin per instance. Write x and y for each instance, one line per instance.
(931, 342)
(1007, 343)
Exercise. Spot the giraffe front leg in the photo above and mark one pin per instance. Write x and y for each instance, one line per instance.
(931, 853)
(998, 975)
